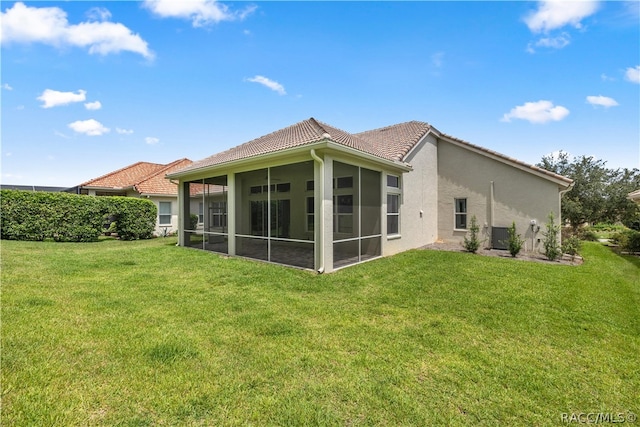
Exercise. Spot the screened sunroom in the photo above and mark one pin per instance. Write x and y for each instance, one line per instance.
(309, 196)
(276, 214)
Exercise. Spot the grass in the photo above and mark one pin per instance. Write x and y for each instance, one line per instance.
(146, 333)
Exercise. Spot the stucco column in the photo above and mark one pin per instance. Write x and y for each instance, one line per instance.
(231, 212)
(327, 206)
(183, 212)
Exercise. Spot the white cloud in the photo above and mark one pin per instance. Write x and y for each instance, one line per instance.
(6, 86)
(606, 78)
(633, 74)
(553, 14)
(99, 14)
(603, 101)
(200, 12)
(537, 112)
(555, 42)
(124, 131)
(54, 98)
(151, 140)
(89, 127)
(271, 84)
(49, 25)
(96, 105)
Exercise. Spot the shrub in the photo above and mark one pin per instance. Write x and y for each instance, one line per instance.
(60, 216)
(134, 218)
(67, 217)
(571, 245)
(627, 241)
(551, 248)
(193, 221)
(515, 240)
(472, 243)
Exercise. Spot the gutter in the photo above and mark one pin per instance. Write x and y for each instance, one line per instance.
(320, 230)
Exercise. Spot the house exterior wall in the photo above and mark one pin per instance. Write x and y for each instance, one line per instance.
(517, 195)
(418, 209)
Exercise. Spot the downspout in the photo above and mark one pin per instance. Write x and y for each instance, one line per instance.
(320, 230)
(491, 214)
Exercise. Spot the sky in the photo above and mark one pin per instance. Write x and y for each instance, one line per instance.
(90, 87)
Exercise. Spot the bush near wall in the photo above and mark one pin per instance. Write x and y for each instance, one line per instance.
(67, 217)
(134, 218)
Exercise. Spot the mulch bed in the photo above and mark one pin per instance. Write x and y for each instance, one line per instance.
(522, 256)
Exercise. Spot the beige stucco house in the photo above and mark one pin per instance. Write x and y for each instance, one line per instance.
(314, 196)
(143, 180)
(634, 196)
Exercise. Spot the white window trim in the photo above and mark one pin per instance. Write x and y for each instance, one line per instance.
(456, 213)
(161, 215)
(394, 191)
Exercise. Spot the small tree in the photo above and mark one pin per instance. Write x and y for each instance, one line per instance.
(571, 246)
(472, 243)
(551, 247)
(515, 240)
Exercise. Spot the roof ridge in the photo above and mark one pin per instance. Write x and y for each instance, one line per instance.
(118, 171)
(318, 125)
(395, 125)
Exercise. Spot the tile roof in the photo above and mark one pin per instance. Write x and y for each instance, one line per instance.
(391, 143)
(143, 177)
(156, 183)
(397, 140)
(299, 134)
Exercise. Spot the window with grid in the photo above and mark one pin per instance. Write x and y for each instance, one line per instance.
(393, 204)
(460, 214)
(164, 213)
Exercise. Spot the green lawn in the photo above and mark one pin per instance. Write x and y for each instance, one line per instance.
(146, 333)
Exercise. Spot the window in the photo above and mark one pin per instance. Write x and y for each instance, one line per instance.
(280, 218)
(310, 214)
(460, 214)
(393, 213)
(164, 213)
(393, 181)
(200, 213)
(310, 185)
(393, 204)
(343, 182)
(343, 213)
(218, 212)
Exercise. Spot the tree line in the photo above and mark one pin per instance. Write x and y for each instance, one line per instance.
(599, 194)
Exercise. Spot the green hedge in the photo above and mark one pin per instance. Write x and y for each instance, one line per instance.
(134, 218)
(628, 241)
(67, 217)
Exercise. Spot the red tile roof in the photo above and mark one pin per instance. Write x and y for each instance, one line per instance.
(391, 143)
(143, 177)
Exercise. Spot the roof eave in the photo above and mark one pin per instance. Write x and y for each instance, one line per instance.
(261, 158)
(98, 188)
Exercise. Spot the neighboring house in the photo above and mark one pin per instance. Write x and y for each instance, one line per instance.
(634, 196)
(317, 197)
(146, 180)
(40, 188)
